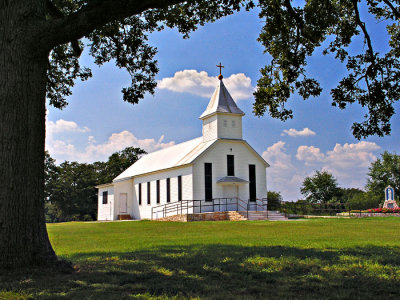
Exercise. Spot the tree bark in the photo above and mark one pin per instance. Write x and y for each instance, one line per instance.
(23, 236)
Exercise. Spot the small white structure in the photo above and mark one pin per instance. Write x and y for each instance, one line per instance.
(219, 164)
(389, 198)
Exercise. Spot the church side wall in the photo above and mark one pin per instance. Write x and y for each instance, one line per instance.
(143, 211)
(105, 211)
(217, 155)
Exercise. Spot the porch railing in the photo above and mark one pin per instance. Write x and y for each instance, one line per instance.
(214, 205)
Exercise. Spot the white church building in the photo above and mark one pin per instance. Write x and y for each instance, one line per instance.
(218, 171)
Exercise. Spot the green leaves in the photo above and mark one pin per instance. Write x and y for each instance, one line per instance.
(125, 40)
(62, 71)
(291, 34)
(383, 172)
(320, 188)
(70, 188)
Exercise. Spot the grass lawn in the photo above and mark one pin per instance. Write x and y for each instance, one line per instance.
(321, 258)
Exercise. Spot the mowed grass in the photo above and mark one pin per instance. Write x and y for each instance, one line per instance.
(322, 258)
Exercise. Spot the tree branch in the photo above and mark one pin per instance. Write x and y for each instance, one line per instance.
(394, 10)
(56, 13)
(96, 14)
(364, 29)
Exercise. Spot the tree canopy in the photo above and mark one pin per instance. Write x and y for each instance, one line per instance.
(119, 33)
(383, 172)
(70, 188)
(292, 33)
(322, 187)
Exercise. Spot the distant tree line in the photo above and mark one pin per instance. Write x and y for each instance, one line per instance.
(322, 187)
(70, 188)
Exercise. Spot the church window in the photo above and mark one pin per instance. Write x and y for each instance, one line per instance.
(179, 188)
(233, 124)
(140, 193)
(225, 123)
(252, 183)
(158, 191)
(208, 181)
(105, 197)
(231, 165)
(148, 193)
(168, 190)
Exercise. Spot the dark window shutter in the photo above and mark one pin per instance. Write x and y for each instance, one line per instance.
(208, 181)
(231, 165)
(168, 190)
(148, 193)
(140, 193)
(179, 188)
(158, 191)
(252, 183)
(105, 197)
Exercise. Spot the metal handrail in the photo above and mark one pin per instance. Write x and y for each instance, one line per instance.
(184, 206)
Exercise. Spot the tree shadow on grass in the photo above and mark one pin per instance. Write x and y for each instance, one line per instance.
(224, 272)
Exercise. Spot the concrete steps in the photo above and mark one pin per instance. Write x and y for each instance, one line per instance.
(125, 217)
(235, 216)
(263, 215)
(276, 216)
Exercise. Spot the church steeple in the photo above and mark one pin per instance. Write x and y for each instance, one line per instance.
(222, 117)
(221, 102)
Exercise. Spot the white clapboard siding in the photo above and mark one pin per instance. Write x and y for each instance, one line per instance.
(143, 211)
(123, 187)
(224, 126)
(217, 155)
(105, 211)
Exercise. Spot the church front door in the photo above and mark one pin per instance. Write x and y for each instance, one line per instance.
(123, 203)
(231, 191)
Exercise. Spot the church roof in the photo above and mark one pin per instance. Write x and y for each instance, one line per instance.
(221, 101)
(175, 156)
(170, 157)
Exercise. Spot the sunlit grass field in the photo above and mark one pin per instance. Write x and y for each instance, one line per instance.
(321, 258)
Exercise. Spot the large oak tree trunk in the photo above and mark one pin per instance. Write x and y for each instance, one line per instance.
(23, 236)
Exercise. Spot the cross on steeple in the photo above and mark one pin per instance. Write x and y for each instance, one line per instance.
(220, 66)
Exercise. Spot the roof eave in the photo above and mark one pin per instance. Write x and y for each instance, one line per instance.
(202, 117)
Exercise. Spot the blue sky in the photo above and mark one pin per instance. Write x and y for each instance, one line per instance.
(97, 122)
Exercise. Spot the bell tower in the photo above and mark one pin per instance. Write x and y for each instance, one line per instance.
(222, 117)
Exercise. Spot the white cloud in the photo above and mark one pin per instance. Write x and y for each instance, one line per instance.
(117, 142)
(309, 154)
(203, 85)
(293, 132)
(282, 175)
(91, 151)
(348, 162)
(352, 156)
(64, 126)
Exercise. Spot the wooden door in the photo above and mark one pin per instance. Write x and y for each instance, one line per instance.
(123, 203)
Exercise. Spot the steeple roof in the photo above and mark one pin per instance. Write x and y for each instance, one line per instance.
(221, 101)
